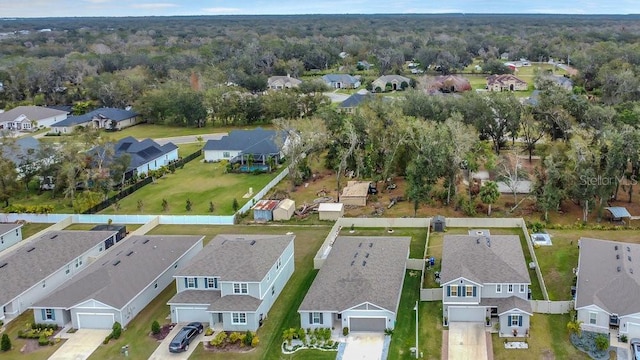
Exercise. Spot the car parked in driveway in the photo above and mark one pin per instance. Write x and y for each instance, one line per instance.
(184, 337)
(635, 349)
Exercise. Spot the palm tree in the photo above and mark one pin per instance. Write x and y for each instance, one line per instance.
(489, 194)
(250, 161)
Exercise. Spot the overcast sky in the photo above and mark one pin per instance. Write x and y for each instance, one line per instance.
(49, 8)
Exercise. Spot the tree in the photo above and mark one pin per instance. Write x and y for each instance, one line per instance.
(5, 343)
(505, 119)
(489, 194)
(346, 153)
(235, 205)
(155, 327)
(511, 173)
(8, 180)
(532, 132)
(551, 184)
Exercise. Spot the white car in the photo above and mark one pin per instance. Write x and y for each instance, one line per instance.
(635, 348)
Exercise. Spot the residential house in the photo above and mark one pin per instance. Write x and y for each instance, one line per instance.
(484, 278)
(390, 83)
(563, 82)
(352, 102)
(120, 284)
(608, 288)
(363, 65)
(103, 118)
(341, 81)
(145, 155)
(10, 234)
(23, 152)
(506, 82)
(239, 146)
(27, 118)
(282, 82)
(233, 282)
(449, 84)
(34, 270)
(358, 286)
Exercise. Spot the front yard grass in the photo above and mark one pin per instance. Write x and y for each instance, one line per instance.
(21, 322)
(33, 228)
(155, 131)
(418, 237)
(549, 340)
(283, 314)
(199, 182)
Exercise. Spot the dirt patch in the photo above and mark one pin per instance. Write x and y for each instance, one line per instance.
(164, 331)
(30, 345)
(548, 355)
(227, 348)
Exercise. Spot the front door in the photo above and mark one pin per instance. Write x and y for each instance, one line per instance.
(219, 317)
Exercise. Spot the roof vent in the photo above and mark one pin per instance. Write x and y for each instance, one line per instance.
(31, 249)
(3, 265)
(54, 236)
(253, 242)
(145, 241)
(628, 249)
(478, 241)
(353, 262)
(355, 255)
(360, 245)
(618, 256)
(370, 244)
(130, 253)
(116, 263)
(629, 258)
(630, 271)
(616, 247)
(619, 268)
(364, 263)
(366, 255)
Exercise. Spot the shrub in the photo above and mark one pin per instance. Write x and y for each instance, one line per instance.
(219, 339)
(235, 205)
(5, 343)
(208, 332)
(388, 331)
(107, 339)
(602, 342)
(165, 205)
(235, 337)
(248, 338)
(155, 327)
(345, 331)
(255, 341)
(43, 340)
(211, 206)
(117, 330)
(302, 335)
(623, 338)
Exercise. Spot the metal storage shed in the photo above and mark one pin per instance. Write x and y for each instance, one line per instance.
(285, 210)
(263, 210)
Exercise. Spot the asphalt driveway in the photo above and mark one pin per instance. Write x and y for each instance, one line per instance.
(364, 346)
(80, 344)
(162, 352)
(467, 341)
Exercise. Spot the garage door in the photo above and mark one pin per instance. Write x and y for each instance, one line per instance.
(184, 315)
(95, 321)
(367, 324)
(466, 314)
(633, 330)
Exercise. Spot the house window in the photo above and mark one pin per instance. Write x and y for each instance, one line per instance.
(240, 288)
(469, 291)
(279, 264)
(273, 290)
(1, 240)
(48, 314)
(155, 286)
(239, 318)
(498, 288)
(212, 283)
(316, 318)
(514, 320)
(68, 270)
(78, 261)
(226, 154)
(522, 286)
(593, 318)
(510, 288)
(191, 282)
(44, 284)
(454, 291)
(16, 232)
(100, 248)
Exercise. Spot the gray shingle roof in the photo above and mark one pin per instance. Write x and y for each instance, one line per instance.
(195, 297)
(599, 281)
(502, 262)
(5, 228)
(391, 78)
(507, 304)
(235, 303)
(51, 251)
(343, 282)
(20, 148)
(142, 152)
(355, 100)
(121, 274)
(256, 141)
(31, 112)
(342, 78)
(238, 257)
(108, 113)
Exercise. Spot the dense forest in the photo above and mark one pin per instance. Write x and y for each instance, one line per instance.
(212, 71)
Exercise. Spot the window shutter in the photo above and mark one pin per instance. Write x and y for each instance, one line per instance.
(53, 314)
(206, 283)
(186, 284)
(215, 283)
(321, 321)
(310, 318)
(195, 282)
(520, 320)
(449, 290)
(460, 288)
(475, 293)
(44, 314)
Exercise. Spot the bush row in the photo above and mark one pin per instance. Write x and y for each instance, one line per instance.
(29, 209)
(247, 338)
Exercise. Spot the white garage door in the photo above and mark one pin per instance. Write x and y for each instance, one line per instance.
(633, 330)
(466, 314)
(184, 315)
(367, 324)
(95, 321)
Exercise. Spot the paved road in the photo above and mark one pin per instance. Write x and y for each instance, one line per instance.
(190, 138)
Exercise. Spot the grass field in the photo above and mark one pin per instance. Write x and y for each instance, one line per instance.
(32, 228)
(143, 131)
(199, 182)
(21, 322)
(130, 227)
(418, 237)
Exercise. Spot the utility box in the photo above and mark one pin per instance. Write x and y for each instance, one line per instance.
(439, 224)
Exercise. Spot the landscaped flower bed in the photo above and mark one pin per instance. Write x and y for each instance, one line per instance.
(41, 332)
(297, 339)
(233, 341)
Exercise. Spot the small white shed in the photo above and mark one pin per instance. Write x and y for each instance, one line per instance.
(331, 211)
(285, 210)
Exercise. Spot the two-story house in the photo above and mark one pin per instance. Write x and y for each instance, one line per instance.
(233, 282)
(608, 288)
(10, 234)
(484, 278)
(35, 269)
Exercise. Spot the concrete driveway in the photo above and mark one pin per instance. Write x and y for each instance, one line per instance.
(80, 344)
(467, 341)
(162, 352)
(363, 346)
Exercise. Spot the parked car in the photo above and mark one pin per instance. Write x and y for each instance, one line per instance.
(635, 348)
(184, 337)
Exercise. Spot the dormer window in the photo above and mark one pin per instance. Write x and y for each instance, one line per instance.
(240, 288)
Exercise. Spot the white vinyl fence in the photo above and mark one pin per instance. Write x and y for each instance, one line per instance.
(431, 294)
(551, 307)
(246, 207)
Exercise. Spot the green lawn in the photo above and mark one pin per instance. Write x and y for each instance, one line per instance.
(143, 131)
(430, 323)
(84, 227)
(418, 237)
(32, 228)
(549, 339)
(21, 322)
(283, 314)
(59, 203)
(188, 149)
(199, 182)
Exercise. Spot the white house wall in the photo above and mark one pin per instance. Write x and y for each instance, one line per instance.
(252, 322)
(630, 325)
(461, 299)
(327, 320)
(126, 123)
(217, 155)
(158, 162)
(10, 238)
(278, 277)
(489, 291)
(507, 330)
(602, 319)
(52, 282)
(62, 317)
(226, 289)
(47, 122)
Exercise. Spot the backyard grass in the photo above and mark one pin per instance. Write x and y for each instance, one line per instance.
(430, 323)
(199, 182)
(549, 339)
(185, 150)
(84, 227)
(32, 228)
(21, 322)
(154, 131)
(283, 314)
(418, 237)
